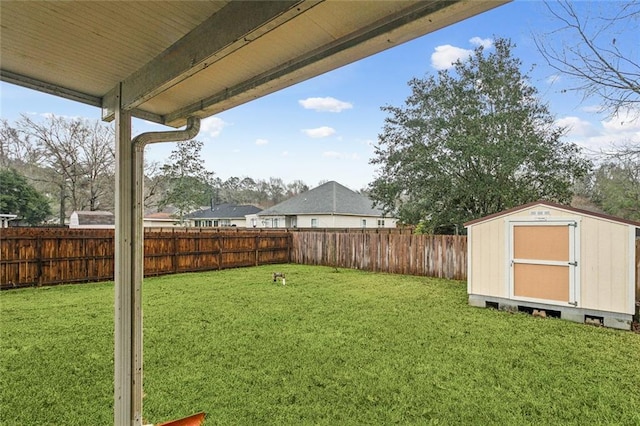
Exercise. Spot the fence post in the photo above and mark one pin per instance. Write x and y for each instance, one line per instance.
(256, 244)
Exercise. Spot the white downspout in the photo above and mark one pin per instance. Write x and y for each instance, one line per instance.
(129, 261)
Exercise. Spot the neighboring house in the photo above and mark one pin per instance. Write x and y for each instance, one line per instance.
(5, 218)
(160, 220)
(220, 215)
(330, 205)
(92, 220)
(107, 220)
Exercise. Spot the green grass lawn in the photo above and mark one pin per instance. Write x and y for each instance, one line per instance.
(332, 347)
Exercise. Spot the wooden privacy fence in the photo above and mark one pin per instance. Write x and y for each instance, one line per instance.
(46, 256)
(443, 256)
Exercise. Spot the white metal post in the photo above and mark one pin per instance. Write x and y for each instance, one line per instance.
(128, 278)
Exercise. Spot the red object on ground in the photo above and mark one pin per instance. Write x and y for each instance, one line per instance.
(194, 420)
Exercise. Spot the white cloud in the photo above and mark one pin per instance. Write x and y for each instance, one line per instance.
(341, 155)
(212, 126)
(597, 136)
(51, 115)
(484, 42)
(625, 121)
(261, 141)
(319, 132)
(592, 108)
(577, 126)
(327, 104)
(446, 54)
(284, 153)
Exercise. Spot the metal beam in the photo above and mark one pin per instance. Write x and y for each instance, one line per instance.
(110, 102)
(52, 89)
(419, 15)
(234, 26)
(74, 95)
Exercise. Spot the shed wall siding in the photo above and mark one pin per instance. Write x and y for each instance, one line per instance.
(605, 265)
(488, 259)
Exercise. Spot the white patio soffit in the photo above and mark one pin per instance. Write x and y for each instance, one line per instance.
(181, 58)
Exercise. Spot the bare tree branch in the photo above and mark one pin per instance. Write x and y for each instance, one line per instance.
(598, 50)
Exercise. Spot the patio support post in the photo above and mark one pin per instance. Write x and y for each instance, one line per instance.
(129, 263)
(129, 260)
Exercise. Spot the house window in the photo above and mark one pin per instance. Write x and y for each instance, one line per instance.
(314, 223)
(380, 223)
(364, 223)
(225, 222)
(275, 222)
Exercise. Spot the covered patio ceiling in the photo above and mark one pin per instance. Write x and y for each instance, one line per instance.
(197, 58)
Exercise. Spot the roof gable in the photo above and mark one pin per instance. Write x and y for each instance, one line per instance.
(328, 198)
(224, 211)
(553, 205)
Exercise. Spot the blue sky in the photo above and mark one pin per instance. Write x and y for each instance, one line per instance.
(325, 128)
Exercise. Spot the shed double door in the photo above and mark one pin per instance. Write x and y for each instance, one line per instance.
(543, 262)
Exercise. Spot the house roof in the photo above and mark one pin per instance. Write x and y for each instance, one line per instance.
(329, 198)
(160, 216)
(95, 217)
(556, 206)
(224, 211)
(167, 60)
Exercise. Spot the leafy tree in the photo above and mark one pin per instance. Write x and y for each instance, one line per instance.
(616, 187)
(470, 142)
(19, 197)
(188, 183)
(296, 187)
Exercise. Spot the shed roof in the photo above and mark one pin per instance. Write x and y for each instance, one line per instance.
(224, 211)
(328, 198)
(553, 205)
(167, 60)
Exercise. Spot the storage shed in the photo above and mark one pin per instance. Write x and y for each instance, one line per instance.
(569, 263)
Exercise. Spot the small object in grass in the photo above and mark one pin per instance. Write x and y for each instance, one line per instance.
(194, 420)
(277, 275)
(539, 313)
